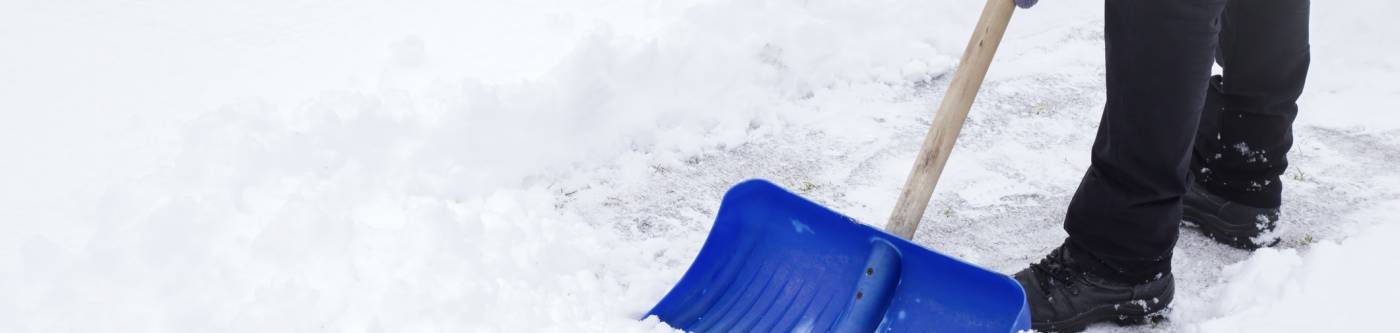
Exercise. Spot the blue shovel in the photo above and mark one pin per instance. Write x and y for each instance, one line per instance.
(775, 262)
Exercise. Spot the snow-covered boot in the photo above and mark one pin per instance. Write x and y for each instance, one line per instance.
(1227, 222)
(1065, 296)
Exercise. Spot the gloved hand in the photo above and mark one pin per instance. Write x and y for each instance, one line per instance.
(1026, 3)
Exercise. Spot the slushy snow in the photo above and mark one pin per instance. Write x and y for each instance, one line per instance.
(548, 166)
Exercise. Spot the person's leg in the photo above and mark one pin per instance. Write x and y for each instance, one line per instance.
(1241, 149)
(1128, 205)
(1122, 222)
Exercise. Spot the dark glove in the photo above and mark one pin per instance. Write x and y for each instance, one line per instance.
(1026, 3)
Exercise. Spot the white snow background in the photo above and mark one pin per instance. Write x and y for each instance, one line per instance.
(547, 165)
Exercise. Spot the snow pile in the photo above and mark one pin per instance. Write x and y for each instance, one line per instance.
(546, 165)
(413, 200)
(1345, 286)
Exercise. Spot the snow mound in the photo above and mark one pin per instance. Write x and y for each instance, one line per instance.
(551, 166)
(1344, 286)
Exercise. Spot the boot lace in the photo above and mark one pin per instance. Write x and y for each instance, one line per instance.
(1054, 267)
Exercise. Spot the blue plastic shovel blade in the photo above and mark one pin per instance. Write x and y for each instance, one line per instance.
(775, 262)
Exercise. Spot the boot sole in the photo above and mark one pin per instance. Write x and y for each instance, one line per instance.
(1216, 229)
(1130, 313)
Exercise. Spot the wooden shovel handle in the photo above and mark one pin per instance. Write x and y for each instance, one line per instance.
(949, 120)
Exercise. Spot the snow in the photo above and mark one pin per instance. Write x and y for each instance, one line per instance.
(1332, 286)
(546, 166)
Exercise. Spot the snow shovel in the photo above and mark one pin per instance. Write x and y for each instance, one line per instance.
(775, 262)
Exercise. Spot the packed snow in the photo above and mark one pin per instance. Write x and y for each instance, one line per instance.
(546, 165)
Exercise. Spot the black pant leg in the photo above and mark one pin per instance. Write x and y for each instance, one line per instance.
(1128, 205)
(1247, 130)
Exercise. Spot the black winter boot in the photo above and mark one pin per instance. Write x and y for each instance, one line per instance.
(1227, 222)
(1065, 297)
